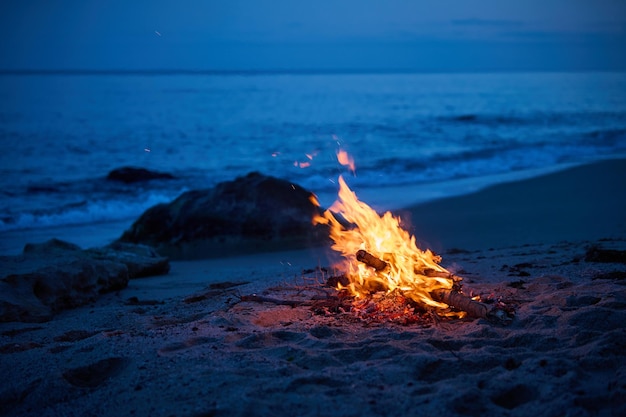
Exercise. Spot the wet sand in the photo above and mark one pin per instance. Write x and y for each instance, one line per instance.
(581, 203)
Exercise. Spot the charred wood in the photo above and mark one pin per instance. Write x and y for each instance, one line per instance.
(370, 260)
(461, 302)
(441, 274)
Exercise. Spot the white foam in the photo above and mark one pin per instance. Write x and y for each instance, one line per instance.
(99, 211)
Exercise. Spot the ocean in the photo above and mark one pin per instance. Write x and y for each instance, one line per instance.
(436, 134)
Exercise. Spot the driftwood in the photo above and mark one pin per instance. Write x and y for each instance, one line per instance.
(277, 301)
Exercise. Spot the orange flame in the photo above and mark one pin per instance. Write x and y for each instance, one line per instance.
(346, 160)
(356, 226)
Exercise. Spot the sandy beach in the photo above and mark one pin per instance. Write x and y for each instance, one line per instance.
(191, 343)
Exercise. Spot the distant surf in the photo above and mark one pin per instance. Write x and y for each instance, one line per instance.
(437, 134)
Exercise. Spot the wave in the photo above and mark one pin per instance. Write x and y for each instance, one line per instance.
(94, 200)
(85, 212)
(606, 137)
(486, 119)
(467, 164)
(541, 118)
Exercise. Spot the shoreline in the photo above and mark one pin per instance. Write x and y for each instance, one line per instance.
(397, 197)
(84, 235)
(585, 202)
(436, 212)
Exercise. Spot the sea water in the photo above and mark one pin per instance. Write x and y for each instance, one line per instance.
(441, 134)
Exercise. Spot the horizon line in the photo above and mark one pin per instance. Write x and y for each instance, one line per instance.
(279, 71)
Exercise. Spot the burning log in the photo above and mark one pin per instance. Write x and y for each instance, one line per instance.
(370, 260)
(441, 274)
(461, 302)
(451, 297)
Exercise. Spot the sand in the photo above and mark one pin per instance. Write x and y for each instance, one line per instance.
(582, 203)
(186, 345)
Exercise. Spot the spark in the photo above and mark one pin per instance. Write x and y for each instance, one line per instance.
(147, 150)
(157, 32)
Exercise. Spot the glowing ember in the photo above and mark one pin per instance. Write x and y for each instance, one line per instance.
(306, 164)
(379, 255)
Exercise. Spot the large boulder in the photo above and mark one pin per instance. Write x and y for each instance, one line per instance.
(129, 175)
(57, 275)
(250, 214)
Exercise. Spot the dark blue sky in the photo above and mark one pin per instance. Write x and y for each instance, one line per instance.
(441, 35)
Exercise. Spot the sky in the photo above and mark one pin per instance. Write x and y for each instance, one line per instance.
(250, 35)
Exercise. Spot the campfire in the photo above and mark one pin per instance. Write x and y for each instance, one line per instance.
(383, 268)
(383, 275)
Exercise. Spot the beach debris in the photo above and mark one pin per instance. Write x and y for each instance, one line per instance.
(214, 290)
(262, 299)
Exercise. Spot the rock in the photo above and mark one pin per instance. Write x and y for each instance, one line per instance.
(141, 261)
(57, 275)
(597, 254)
(50, 247)
(129, 175)
(18, 303)
(250, 214)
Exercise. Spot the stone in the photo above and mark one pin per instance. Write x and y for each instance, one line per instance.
(253, 213)
(129, 175)
(56, 275)
(141, 260)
